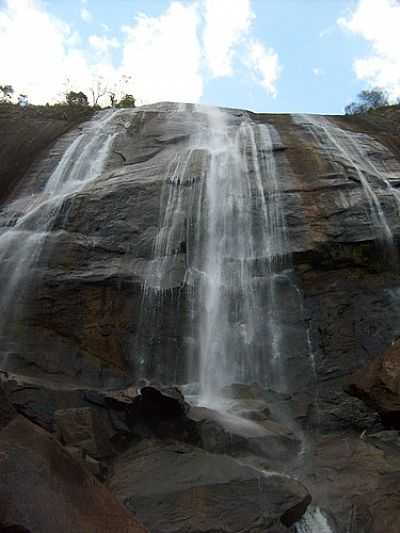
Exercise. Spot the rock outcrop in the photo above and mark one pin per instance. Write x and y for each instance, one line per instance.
(378, 385)
(178, 488)
(43, 488)
(81, 328)
(26, 133)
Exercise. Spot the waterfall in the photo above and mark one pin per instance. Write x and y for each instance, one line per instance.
(222, 250)
(165, 273)
(313, 521)
(334, 142)
(245, 254)
(22, 243)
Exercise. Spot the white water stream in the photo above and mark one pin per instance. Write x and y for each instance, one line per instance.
(339, 144)
(246, 248)
(222, 240)
(22, 244)
(313, 521)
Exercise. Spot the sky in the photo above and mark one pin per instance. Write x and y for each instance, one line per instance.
(276, 56)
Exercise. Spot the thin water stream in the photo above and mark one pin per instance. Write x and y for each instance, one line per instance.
(337, 143)
(314, 521)
(21, 245)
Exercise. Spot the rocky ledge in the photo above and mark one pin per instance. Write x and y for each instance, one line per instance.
(176, 467)
(172, 467)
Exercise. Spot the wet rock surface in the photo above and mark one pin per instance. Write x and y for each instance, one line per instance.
(43, 488)
(378, 385)
(82, 329)
(356, 478)
(26, 132)
(88, 305)
(175, 487)
(151, 451)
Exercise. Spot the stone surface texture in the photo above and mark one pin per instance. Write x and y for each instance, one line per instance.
(82, 338)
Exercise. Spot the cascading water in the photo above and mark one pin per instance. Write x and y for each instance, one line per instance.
(21, 244)
(246, 249)
(223, 243)
(313, 521)
(334, 142)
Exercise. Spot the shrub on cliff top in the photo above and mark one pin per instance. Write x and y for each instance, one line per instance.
(77, 98)
(367, 101)
(6, 93)
(127, 101)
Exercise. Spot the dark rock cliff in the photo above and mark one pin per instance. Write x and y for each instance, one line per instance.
(25, 132)
(96, 313)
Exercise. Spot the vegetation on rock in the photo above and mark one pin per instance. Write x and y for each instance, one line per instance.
(368, 100)
(126, 101)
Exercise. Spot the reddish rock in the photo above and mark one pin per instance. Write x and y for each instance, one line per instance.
(43, 489)
(378, 385)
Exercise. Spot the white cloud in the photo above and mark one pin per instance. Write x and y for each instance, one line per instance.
(163, 54)
(40, 51)
(226, 25)
(86, 15)
(163, 57)
(103, 44)
(265, 63)
(378, 21)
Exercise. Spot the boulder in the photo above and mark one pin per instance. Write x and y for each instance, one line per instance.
(43, 489)
(356, 479)
(86, 428)
(174, 487)
(39, 400)
(232, 434)
(378, 385)
(162, 413)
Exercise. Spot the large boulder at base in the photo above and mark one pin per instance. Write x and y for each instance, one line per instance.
(176, 488)
(378, 385)
(43, 489)
(357, 479)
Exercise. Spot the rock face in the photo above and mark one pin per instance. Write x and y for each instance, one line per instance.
(110, 299)
(379, 385)
(86, 319)
(178, 488)
(25, 133)
(42, 488)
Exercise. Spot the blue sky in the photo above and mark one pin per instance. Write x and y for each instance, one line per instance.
(265, 55)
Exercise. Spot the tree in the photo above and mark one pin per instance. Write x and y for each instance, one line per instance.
(113, 98)
(98, 89)
(118, 89)
(7, 92)
(368, 100)
(77, 98)
(127, 101)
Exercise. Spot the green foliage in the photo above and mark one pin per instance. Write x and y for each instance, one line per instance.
(77, 98)
(367, 101)
(127, 101)
(7, 92)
